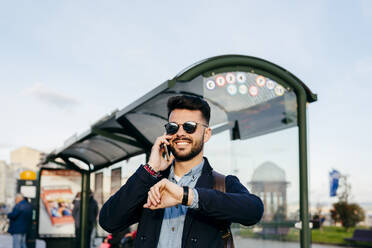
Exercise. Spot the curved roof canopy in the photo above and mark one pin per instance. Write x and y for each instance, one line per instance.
(248, 96)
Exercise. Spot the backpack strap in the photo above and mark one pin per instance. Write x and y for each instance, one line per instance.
(219, 184)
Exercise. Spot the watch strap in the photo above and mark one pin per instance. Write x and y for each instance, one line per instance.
(185, 197)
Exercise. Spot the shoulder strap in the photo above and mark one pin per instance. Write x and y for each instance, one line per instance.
(219, 184)
(219, 181)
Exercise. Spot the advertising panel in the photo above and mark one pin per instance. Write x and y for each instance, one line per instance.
(58, 189)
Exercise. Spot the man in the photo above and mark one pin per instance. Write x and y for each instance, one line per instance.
(174, 201)
(76, 215)
(92, 215)
(20, 221)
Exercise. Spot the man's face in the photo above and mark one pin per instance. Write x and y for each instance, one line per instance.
(183, 145)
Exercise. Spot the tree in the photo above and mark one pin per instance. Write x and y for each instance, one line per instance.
(348, 214)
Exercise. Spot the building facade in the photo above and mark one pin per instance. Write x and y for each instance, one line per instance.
(21, 159)
(7, 184)
(269, 182)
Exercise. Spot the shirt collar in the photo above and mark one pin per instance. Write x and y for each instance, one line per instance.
(193, 172)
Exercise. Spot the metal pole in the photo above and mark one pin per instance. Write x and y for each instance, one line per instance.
(304, 201)
(84, 233)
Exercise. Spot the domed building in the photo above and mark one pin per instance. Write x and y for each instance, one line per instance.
(269, 183)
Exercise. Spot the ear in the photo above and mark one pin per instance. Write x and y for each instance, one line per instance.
(207, 134)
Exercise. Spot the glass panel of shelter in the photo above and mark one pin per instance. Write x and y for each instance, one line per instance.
(264, 151)
(268, 166)
(110, 148)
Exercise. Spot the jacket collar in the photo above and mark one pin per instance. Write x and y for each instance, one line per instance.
(205, 180)
(207, 169)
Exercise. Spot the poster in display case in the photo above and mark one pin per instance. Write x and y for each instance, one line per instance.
(58, 189)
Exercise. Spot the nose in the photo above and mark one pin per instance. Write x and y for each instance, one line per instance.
(181, 131)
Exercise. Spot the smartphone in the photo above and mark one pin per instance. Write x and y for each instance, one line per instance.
(166, 152)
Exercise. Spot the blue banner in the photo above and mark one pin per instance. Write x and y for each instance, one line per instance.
(334, 177)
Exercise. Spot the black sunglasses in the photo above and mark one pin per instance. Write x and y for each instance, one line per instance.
(188, 126)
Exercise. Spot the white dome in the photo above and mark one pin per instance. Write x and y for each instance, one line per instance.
(268, 172)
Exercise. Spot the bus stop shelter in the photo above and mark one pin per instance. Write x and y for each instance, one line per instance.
(258, 121)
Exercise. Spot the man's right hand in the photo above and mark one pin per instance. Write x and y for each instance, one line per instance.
(157, 161)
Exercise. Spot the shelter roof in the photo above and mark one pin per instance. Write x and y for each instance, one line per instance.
(225, 82)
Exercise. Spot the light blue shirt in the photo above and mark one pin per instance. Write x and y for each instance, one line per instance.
(174, 217)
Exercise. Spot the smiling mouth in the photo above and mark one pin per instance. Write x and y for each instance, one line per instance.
(182, 142)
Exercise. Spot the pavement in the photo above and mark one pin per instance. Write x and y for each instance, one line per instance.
(6, 242)
(246, 242)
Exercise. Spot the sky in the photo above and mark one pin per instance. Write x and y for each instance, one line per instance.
(65, 64)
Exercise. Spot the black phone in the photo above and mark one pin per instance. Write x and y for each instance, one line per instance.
(167, 151)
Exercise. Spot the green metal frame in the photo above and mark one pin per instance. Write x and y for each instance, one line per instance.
(85, 186)
(237, 62)
(303, 94)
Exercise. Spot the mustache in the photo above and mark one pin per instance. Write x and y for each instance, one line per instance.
(181, 139)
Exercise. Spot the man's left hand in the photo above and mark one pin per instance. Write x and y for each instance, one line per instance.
(165, 194)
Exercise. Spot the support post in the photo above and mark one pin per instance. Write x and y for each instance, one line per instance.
(84, 232)
(304, 192)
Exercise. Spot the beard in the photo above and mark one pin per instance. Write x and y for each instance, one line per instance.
(195, 150)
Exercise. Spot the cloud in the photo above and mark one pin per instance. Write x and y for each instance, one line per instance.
(51, 97)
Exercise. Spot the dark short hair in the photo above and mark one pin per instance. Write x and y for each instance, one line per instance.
(190, 103)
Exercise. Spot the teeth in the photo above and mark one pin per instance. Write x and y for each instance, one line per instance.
(182, 143)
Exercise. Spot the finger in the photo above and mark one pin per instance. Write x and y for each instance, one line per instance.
(147, 204)
(159, 187)
(152, 199)
(155, 193)
(167, 136)
(162, 184)
(164, 138)
(162, 189)
(165, 141)
(171, 158)
(158, 206)
(158, 142)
